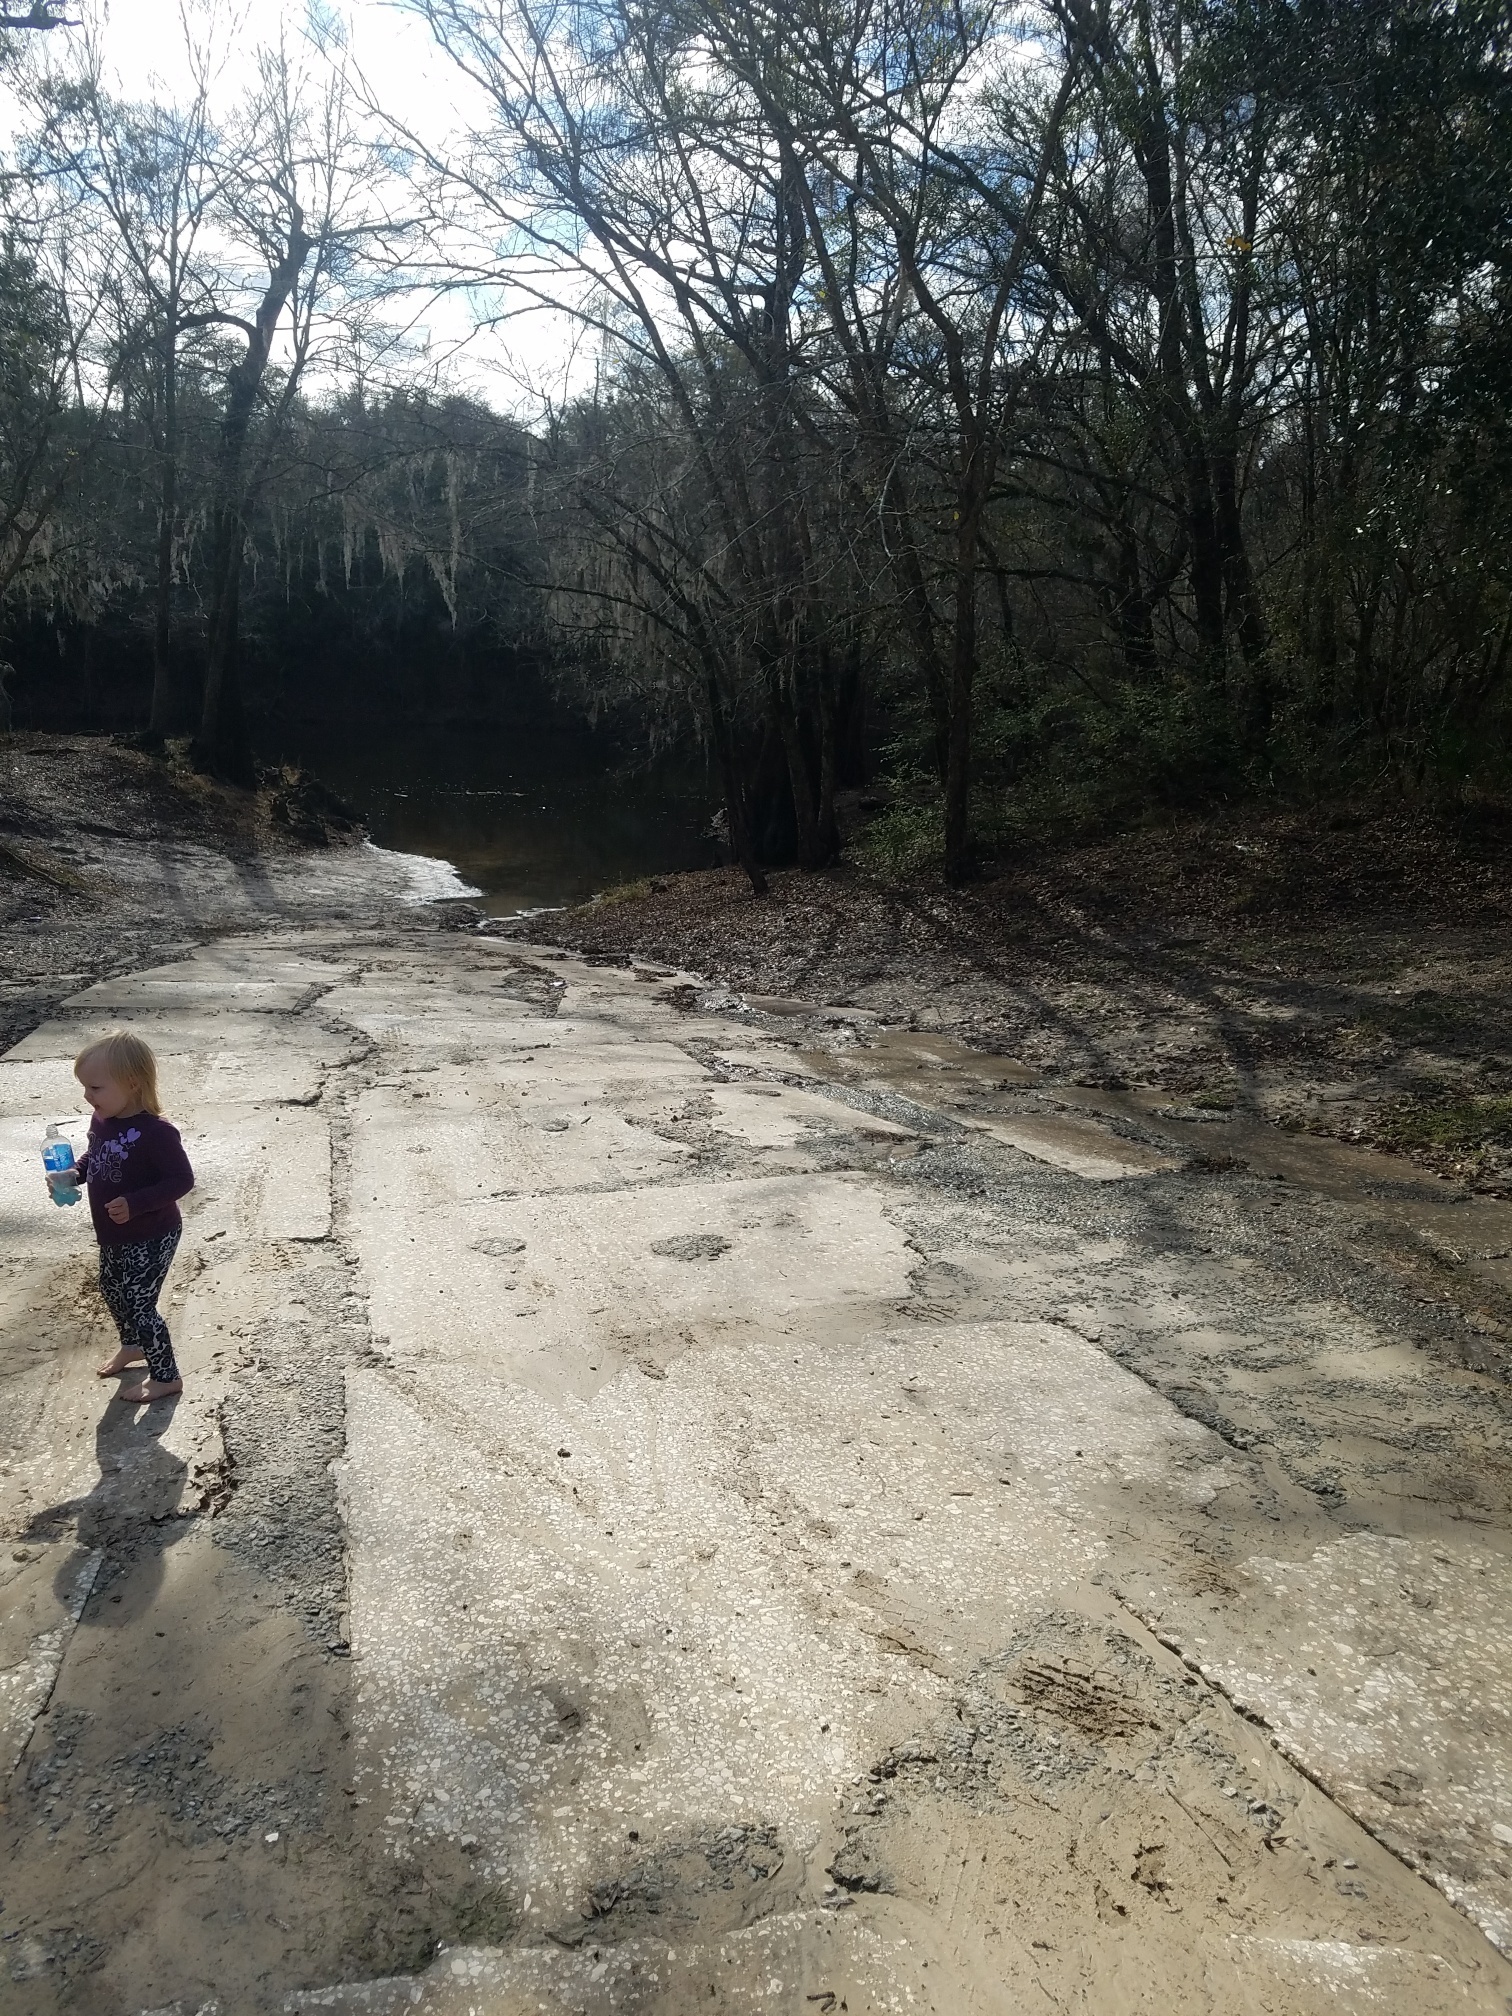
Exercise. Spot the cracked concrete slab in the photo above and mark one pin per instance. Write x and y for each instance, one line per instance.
(481, 1140)
(779, 1116)
(264, 1169)
(577, 1281)
(649, 1555)
(42, 1605)
(771, 1569)
(1360, 1655)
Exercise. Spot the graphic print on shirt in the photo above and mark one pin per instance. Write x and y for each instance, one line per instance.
(107, 1159)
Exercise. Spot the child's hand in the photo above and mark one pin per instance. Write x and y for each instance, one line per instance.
(118, 1210)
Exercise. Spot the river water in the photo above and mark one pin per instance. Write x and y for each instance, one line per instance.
(531, 817)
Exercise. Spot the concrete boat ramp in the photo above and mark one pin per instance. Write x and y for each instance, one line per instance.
(666, 1516)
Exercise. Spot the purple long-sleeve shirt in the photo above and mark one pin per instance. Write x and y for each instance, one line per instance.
(141, 1158)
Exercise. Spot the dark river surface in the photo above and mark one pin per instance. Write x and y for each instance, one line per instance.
(530, 818)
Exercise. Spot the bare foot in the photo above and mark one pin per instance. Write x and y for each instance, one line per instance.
(119, 1364)
(150, 1390)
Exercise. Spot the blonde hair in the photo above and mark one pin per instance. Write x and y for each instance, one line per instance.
(129, 1061)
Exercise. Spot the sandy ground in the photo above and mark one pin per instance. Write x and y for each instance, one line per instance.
(691, 1502)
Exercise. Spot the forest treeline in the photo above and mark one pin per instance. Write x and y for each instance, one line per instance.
(1069, 407)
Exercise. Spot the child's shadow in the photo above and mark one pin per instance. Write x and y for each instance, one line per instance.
(131, 1516)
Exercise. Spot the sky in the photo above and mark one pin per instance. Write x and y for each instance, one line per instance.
(143, 45)
(142, 41)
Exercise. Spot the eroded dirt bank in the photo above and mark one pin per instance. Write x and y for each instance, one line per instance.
(685, 1502)
(1344, 972)
(111, 859)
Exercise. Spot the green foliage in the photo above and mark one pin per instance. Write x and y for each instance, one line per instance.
(1073, 757)
(1056, 756)
(903, 842)
(1456, 1122)
(622, 892)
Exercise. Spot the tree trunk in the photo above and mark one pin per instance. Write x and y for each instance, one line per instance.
(785, 721)
(1206, 565)
(828, 833)
(734, 788)
(172, 699)
(918, 613)
(1133, 615)
(962, 675)
(224, 748)
(1152, 147)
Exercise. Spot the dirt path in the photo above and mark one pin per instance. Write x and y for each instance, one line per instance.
(686, 1506)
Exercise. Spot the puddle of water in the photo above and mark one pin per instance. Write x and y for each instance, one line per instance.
(937, 1070)
(1338, 1169)
(901, 1057)
(1467, 1231)
(1472, 1234)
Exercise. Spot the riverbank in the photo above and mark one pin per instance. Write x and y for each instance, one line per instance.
(1344, 974)
(111, 859)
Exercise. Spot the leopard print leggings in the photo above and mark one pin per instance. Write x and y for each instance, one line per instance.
(131, 1279)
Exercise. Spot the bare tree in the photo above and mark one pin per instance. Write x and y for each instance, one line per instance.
(683, 240)
(300, 208)
(1158, 212)
(787, 191)
(41, 14)
(64, 345)
(922, 147)
(155, 172)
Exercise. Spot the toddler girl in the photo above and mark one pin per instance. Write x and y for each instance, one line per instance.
(136, 1170)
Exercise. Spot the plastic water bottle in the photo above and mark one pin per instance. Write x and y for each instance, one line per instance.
(57, 1155)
